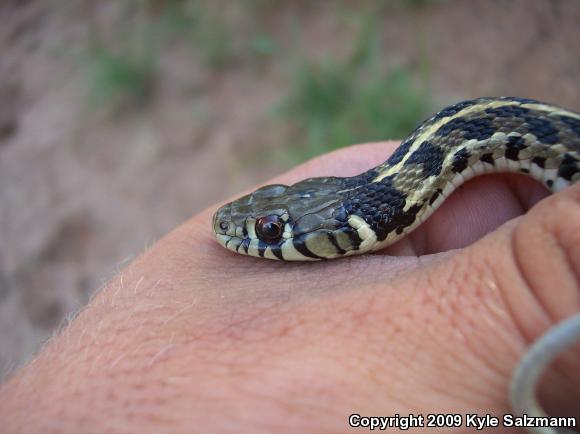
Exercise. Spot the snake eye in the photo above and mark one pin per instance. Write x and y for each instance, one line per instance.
(270, 228)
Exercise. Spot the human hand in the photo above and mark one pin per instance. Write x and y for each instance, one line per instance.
(191, 337)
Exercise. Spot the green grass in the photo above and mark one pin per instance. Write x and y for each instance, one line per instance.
(122, 61)
(331, 109)
(120, 80)
(335, 103)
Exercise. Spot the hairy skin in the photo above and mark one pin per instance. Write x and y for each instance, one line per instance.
(193, 338)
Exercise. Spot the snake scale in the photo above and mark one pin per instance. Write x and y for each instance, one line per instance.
(332, 217)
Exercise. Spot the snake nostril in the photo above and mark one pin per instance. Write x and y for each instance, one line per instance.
(224, 225)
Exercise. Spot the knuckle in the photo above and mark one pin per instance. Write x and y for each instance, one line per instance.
(546, 249)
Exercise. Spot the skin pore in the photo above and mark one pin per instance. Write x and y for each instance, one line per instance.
(193, 338)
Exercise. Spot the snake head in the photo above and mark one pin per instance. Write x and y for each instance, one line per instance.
(305, 221)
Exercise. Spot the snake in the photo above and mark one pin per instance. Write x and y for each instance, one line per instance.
(332, 217)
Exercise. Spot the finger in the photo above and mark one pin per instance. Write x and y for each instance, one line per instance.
(510, 287)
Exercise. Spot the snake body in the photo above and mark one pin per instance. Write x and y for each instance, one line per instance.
(331, 217)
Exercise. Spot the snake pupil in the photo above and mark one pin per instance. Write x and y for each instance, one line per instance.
(269, 228)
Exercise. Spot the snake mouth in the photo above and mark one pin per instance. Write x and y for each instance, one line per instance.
(282, 251)
(244, 246)
(223, 239)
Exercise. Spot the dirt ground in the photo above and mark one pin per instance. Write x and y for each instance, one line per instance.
(83, 191)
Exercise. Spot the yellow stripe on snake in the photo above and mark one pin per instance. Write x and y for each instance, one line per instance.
(332, 217)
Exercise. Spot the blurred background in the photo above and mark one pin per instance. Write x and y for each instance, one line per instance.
(121, 119)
